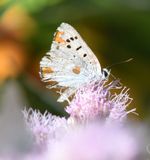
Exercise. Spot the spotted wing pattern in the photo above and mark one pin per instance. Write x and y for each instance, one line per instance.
(70, 62)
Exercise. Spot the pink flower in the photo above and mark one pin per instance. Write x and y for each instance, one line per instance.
(96, 141)
(69, 139)
(95, 101)
(45, 128)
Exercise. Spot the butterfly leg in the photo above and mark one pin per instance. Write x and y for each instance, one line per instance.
(66, 94)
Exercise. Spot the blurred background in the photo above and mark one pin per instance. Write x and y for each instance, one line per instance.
(115, 30)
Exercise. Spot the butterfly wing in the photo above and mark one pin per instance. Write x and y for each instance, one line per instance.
(70, 62)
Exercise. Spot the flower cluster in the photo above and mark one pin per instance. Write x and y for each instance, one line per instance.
(95, 101)
(85, 134)
(45, 128)
(97, 142)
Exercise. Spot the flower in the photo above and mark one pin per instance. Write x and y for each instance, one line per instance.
(97, 141)
(95, 101)
(94, 105)
(45, 128)
(67, 141)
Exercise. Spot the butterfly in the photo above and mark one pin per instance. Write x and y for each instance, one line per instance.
(70, 63)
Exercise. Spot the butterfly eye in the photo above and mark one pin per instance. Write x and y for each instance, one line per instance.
(105, 73)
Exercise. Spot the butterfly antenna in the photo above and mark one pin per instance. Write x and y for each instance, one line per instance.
(128, 60)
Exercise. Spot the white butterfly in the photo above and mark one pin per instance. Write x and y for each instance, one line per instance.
(70, 63)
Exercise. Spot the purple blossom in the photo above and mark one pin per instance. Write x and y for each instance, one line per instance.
(97, 141)
(84, 135)
(45, 128)
(95, 101)
(61, 138)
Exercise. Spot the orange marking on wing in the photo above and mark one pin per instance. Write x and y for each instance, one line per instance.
(46, 70)
(76, 70)
(58, 38)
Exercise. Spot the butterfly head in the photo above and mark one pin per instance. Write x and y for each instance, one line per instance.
(105, 73)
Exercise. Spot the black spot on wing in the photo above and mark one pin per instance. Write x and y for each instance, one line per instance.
(72, 38)
(85, 55)
(67, 40)
(78, 48)
(68, 46)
